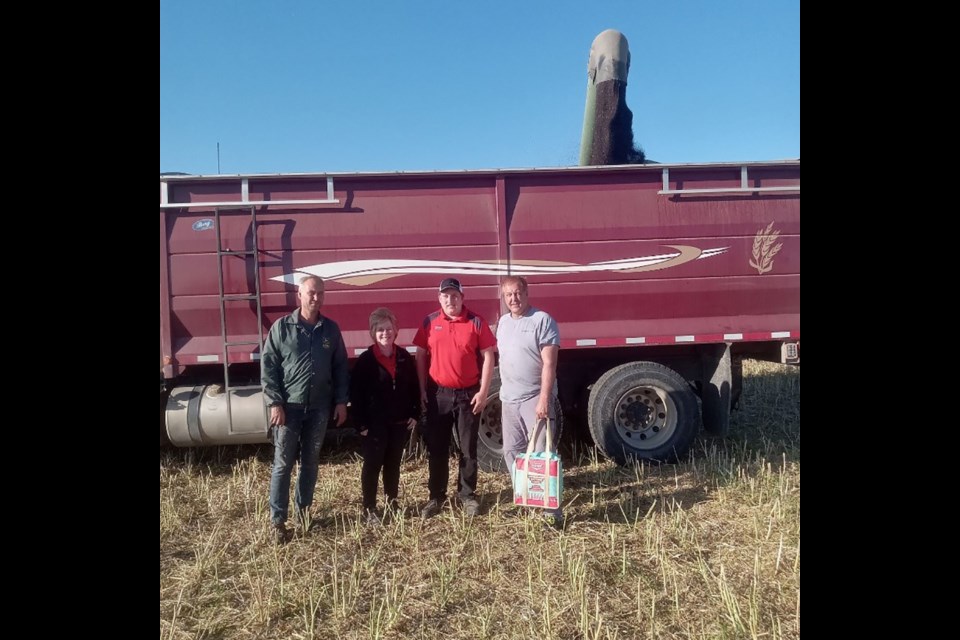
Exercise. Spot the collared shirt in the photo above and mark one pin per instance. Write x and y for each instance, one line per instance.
(304, 365)
(455, 345)
(387, 362)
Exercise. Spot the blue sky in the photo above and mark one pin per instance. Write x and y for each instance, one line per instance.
(313, 86)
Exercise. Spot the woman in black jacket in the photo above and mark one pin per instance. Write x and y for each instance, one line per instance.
(385, 398)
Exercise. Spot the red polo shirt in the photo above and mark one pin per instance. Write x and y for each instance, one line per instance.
(454, 345)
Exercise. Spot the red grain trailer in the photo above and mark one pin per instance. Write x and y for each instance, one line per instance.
(662, 279)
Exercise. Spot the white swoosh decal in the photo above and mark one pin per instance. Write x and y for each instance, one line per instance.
(362, 272)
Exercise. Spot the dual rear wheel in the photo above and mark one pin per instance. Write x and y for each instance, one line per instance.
(643, 411)
(636, 411)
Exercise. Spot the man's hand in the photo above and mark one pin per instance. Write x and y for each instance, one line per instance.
(340, 414)
(478, 402)
(543, 409)
(411, 424)
(278, 416)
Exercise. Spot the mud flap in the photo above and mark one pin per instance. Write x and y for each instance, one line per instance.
(716, 388)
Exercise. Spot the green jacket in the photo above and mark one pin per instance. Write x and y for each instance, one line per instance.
(305, 366)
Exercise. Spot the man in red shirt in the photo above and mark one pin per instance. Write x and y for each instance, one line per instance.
(455, 341)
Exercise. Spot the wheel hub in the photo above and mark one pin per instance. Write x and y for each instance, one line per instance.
(491, 429)
(641, 414)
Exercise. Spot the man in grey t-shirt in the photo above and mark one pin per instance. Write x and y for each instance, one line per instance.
(528, 340)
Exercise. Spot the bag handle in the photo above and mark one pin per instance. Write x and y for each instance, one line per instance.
(547, 427)
(532, 439)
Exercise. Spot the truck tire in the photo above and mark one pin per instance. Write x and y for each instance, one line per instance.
(643, 411)
(164, 440)
(490, 440)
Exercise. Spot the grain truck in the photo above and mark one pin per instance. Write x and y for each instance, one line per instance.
(662, 279)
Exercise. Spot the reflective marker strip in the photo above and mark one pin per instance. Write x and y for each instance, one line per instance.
(706, 338)
(703, 338)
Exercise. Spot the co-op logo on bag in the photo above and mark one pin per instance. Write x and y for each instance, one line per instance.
(204, 224)
(360, 273)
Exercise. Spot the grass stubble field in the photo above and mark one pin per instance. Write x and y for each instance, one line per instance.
(708, 548)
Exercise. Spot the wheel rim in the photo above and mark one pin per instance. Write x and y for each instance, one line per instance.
(645, 417)
(491, 429)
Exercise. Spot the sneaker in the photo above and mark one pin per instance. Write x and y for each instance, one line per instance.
(471, 507)
(553, 521)
(281, 534)
(430, 509)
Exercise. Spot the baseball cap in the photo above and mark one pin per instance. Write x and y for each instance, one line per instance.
(451, 283)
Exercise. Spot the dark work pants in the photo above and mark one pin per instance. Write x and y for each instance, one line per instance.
(449, 409)
(382, 449)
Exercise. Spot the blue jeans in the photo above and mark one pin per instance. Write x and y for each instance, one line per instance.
(300, 438)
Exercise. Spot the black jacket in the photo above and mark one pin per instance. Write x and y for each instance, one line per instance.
(376, 399)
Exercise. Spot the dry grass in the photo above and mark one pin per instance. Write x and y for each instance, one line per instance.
(705, 549)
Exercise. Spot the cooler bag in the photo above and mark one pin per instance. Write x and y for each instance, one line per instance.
(538, 477)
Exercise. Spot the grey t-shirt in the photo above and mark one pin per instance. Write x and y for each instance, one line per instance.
(519, 341)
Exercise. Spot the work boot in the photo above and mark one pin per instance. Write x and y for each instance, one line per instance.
(281, 534)
(371, 518)
(303, 519)
(430, 509)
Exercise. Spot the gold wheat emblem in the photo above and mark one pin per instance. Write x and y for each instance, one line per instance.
(764, 250)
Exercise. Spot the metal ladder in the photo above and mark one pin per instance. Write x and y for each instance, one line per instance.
(224, 298)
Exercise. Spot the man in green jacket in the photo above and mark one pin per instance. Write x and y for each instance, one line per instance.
(304, 374)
